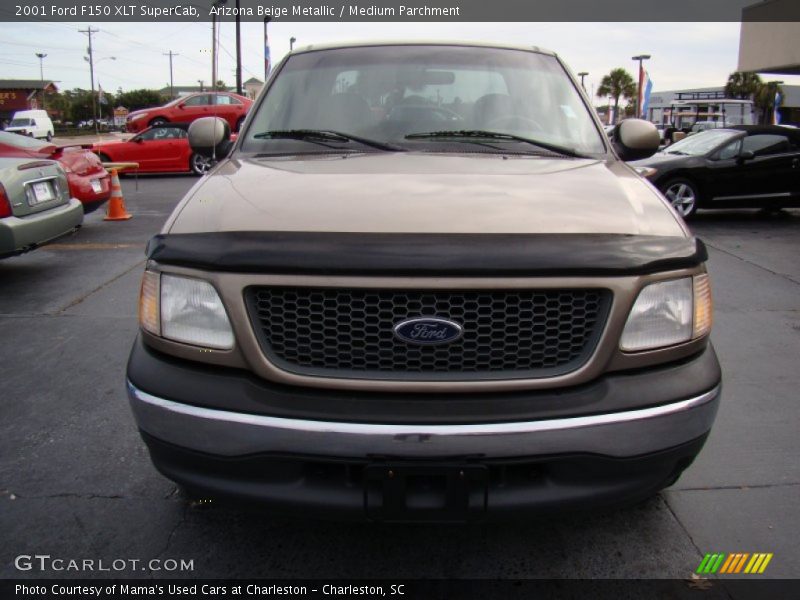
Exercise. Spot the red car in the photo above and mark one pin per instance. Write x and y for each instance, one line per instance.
(88, 180)
(231, 107)
(160, 149)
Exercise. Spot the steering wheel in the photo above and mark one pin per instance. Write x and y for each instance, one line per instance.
(514, 122)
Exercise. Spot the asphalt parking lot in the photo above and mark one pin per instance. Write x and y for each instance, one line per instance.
(76, 481)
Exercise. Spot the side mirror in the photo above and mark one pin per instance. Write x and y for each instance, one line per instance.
(181, 106)
(137, 140)
(634, 139)
(210, 137)
(745, 155)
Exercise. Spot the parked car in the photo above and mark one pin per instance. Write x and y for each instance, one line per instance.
(744, 166)
(395, 320)
(159, 149)
(35, 205)
(229, 106)
(88, 180)
(705, 126)
(33, 123)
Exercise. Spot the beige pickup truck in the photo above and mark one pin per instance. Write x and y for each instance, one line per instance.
(422, 285)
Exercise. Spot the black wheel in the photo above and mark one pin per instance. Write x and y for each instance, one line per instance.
(199, 164)
(682, 194)
(158, 121)
(239, 124)
(49, 137)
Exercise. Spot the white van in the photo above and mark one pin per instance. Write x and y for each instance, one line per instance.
(34, 123)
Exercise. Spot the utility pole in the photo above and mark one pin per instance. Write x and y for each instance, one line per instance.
(238, 52)
(292, 40)
(213, 51)
(41, 58)
(89, 32)
(171, 90)
(200, 81)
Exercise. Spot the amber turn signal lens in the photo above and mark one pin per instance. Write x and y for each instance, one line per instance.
(703, 309)
(149, 298)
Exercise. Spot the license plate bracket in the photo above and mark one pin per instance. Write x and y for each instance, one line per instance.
(97, 187)
(413, 492)
(42, 192)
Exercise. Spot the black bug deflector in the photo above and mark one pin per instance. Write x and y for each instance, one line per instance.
(407, 254)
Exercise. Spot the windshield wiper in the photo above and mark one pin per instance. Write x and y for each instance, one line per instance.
(495, 135)
(324, 135)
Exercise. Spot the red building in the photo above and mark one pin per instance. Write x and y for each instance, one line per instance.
(22, 94)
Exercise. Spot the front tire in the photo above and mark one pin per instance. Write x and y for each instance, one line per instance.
(49, 137)
(199, 164)
(683, 196)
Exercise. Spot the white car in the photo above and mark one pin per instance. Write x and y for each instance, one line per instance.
(33, 123)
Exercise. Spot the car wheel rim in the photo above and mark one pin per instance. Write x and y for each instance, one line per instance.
(682, 198)
(200, 164)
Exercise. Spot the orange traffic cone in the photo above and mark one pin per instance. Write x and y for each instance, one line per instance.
(116, 204)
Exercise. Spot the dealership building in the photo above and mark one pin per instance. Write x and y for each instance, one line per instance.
(22, 94)
(658, 110)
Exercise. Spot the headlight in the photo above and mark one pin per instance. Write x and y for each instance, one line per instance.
(184, 310)
(136, 117)
(668, 313)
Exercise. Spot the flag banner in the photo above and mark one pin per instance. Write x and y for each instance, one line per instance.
(648, 88)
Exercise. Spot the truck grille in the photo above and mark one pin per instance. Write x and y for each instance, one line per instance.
(349, 332)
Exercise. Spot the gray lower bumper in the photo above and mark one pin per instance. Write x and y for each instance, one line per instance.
(620, 434)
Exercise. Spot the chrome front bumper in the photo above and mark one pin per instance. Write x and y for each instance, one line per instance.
(619, 434)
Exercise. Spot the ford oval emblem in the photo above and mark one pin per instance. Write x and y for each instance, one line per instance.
(428, 331)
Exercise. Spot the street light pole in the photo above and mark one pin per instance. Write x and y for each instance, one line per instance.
(292, 40)
(640, 58)
(41, 58)
(583, 74)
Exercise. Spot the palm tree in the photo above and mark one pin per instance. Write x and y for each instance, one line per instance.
(742, 84)
(764, 99)
(617, 83)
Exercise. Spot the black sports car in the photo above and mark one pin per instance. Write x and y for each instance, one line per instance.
(742, 166)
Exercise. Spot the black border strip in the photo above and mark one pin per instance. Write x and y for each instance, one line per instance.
(408, 254)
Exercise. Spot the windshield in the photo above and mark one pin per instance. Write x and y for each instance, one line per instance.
(20, 122)
(385, 93)
(701, 143)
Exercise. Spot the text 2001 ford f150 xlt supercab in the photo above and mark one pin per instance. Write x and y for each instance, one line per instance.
(422, 285)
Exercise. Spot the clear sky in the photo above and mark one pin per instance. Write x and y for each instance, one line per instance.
(685, 55)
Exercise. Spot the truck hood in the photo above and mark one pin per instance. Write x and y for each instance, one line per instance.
(424, 193)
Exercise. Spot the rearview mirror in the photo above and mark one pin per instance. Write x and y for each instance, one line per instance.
(746, 155)
(211, 137)
(635, 139)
